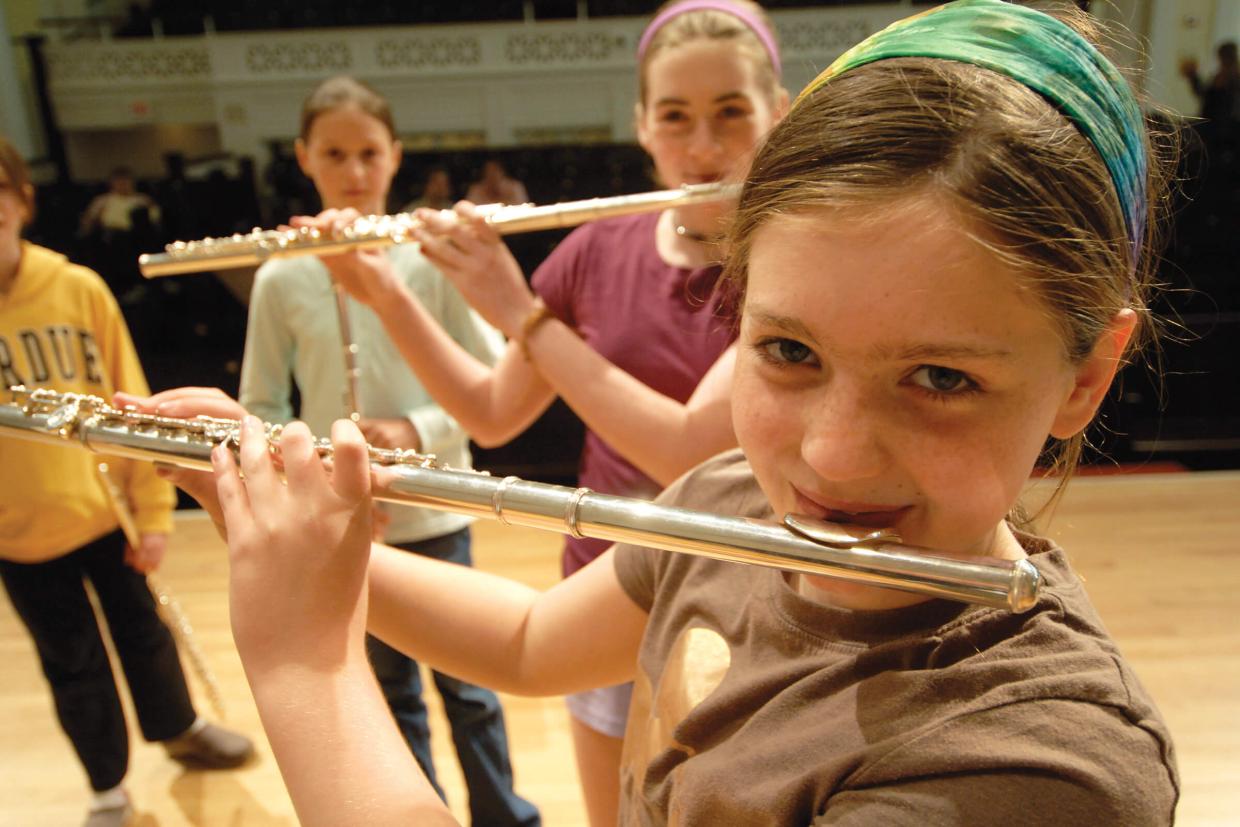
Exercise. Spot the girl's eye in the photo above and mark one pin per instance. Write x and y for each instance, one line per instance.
(943, 381)
(785, 351)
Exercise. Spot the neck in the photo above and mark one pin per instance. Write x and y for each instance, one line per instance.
(679, 248)
(8, 270)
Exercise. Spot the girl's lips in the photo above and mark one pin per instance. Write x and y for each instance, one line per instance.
(869, 515)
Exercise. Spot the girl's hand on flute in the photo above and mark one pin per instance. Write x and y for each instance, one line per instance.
(471, 254)
(397, 432)
(298, 551)
(186, 403)
(365, 275)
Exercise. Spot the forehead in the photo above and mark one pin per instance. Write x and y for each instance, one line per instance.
(891, 283)
(348, 124)
(700, 69)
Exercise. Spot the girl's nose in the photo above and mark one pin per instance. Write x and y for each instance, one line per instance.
(842, 438)
(704, 140)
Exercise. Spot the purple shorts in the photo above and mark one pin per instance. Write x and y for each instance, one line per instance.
(603, 710)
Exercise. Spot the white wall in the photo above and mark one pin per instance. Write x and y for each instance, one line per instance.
(492, 83)
(501, 81)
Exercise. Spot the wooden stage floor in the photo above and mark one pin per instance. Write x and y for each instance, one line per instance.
(1160, 554)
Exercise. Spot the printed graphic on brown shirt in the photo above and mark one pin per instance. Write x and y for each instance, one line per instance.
(695, 668)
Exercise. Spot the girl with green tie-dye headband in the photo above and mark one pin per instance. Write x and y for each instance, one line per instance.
(943, 266)
(1018, 123)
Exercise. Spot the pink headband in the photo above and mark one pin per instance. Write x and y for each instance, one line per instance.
(751, 20)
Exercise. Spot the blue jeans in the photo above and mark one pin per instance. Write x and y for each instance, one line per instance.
(473, 712)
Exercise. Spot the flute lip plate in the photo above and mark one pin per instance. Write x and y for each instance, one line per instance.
(837, 535)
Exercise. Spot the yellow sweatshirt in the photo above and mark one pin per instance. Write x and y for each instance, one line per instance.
(61, 328)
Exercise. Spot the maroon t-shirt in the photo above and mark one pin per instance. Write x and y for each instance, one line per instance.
(664, 325)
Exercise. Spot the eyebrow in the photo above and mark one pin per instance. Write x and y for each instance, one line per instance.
(726, 96)
(787, 323)
(934, 351)
(903, 352)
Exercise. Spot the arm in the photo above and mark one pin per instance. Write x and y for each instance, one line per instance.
(661, 436)
(658, 434)
(428, 426)
(525, 642)
(298, 604)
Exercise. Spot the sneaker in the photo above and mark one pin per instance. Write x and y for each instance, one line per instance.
(210, 747)
(109, 816)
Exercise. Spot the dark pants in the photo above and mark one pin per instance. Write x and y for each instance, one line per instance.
(51, 600)
(474, 713)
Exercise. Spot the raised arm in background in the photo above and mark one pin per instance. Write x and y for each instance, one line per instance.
(658, 434)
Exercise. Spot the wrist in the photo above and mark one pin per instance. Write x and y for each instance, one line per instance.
(537, 316)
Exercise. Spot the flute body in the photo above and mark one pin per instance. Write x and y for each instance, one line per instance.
(376, 231)
(801, 544)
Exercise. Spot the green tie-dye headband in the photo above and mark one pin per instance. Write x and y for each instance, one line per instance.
(1042, 53)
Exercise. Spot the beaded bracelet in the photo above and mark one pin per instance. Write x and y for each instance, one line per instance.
(536, 317)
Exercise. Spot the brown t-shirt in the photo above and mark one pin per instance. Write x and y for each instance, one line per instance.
(755, 706)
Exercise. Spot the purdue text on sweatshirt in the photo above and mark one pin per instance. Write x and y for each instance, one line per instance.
(60, 328)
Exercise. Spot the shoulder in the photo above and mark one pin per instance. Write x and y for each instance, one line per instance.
(1071, 761)
(723, 485)
(68, 275)
(602, 239)
(629, 233)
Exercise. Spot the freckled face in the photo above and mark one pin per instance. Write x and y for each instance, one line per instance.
(704, 114)
(351, 158)
(894, 374)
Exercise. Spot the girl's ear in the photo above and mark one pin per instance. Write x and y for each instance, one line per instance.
(1093, 376)
(639, 126)
(397, 151)
(782, 102)
(303, 157)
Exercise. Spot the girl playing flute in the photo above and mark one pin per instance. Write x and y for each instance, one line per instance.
(945, 254)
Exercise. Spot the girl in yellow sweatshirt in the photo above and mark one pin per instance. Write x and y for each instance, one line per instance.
(61, 328)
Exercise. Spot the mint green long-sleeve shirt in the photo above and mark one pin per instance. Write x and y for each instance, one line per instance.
(294, 335)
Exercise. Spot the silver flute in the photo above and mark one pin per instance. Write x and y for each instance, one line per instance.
(800, 544)
(374, 231)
